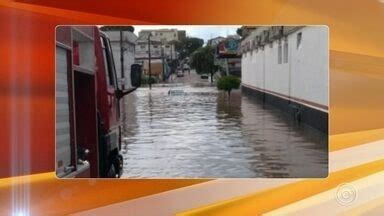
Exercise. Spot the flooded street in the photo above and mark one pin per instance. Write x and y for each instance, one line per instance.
(197, 132)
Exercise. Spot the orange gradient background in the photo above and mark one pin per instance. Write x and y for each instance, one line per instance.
(27, 80)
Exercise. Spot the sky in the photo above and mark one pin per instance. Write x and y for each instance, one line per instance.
(201, 31)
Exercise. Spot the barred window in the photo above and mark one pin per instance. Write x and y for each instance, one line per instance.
(286, 52)
(299, 38)
(279, 54)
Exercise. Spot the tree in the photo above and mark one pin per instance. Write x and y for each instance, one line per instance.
(203, 61)
(187, 46)
(239, 31)
(227, 83)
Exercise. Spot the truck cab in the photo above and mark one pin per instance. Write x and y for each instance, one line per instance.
(88, 125)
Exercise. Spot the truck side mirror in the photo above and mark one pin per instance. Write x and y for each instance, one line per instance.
(136, 71)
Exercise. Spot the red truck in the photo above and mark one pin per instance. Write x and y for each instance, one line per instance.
(88, 125)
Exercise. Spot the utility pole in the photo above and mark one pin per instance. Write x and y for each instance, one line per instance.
(149, 61)
(122, 60)
(162, 61)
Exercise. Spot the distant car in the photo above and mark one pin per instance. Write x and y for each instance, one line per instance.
(186, 67)
(204, 76)
(175, 92)
(179, 73)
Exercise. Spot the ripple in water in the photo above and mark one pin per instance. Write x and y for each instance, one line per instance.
(200, 133)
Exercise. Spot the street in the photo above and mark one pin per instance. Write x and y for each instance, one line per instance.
(198, 132)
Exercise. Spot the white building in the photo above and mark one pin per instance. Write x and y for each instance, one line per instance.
(165, 37)
(142, 48)
(288, 67)
(128, 42)
(159, 56)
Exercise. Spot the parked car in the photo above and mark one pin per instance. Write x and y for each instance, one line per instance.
(179, 73)
(204, 76)
(186, 68)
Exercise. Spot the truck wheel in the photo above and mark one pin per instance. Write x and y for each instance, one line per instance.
(119, 165)
(116, 167)
(111, 171)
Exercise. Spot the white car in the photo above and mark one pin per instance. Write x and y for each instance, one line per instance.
(186, 67)
(179, 73)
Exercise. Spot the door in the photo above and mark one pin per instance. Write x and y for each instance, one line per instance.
(64, 151)
(113, 102)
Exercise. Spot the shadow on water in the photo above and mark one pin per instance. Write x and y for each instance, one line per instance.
(200, 133)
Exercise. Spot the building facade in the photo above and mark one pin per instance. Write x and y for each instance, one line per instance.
(160, 44)
(162, 34)
(142, 48)
(165, 37)
(288, 67)
(215, 41)
(158, 57)
(227, 55)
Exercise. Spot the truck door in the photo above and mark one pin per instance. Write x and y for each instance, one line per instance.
(64, 148)
(113, 103)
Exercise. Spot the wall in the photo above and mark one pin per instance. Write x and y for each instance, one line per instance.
(166, 35)
(309, 67)
(161, 37)
(169, 51)
(304, 76)
(142, 50)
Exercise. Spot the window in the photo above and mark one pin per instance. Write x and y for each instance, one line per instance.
(279, 54)
(105, 59)
(155, 46)
(142, 46)
(299, 38)
(108, 62)
(286, 51)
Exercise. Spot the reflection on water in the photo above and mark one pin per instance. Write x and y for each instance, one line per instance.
(200, 133)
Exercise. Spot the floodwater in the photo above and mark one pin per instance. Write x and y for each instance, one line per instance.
(197, 132)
